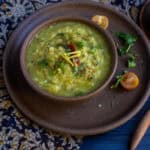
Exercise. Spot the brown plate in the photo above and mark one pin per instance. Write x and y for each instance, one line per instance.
(109, 109)
(144, 18)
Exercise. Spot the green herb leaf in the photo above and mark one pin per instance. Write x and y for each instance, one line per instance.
(117, 82)
(128, 38)
(80, 44)
(131, 61)
(67, 50)
(61, 34)
(129, 41)
(124, 50)
(131, 64)
(62, 66)
(79, 93)
(43, 63)
(119, 78)
(81, 67)
(76, 70)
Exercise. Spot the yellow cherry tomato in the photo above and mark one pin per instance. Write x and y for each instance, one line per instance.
(102, 21)
(130, 81)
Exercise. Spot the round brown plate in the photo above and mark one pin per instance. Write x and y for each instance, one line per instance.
(110, 108)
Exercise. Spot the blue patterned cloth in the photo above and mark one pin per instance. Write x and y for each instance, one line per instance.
(16, 131)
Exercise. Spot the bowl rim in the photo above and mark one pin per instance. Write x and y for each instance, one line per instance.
(47, 23)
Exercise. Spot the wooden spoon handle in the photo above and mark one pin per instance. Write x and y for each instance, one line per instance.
(140, 131)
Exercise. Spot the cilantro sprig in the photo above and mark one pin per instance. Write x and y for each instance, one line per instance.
(118, 79)
(128, 39)
(117, 82)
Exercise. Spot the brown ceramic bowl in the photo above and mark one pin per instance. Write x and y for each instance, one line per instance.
(61, 98)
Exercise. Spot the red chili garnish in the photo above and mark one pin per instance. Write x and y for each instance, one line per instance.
(77, 61)
(72, 47)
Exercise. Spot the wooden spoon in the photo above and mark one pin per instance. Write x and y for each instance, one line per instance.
(140, 131)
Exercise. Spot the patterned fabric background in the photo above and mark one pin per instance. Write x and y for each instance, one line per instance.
(16, 131)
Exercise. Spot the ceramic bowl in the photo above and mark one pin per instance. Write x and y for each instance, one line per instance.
(47, 23)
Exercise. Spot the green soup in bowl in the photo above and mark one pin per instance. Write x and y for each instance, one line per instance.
(69, 58)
